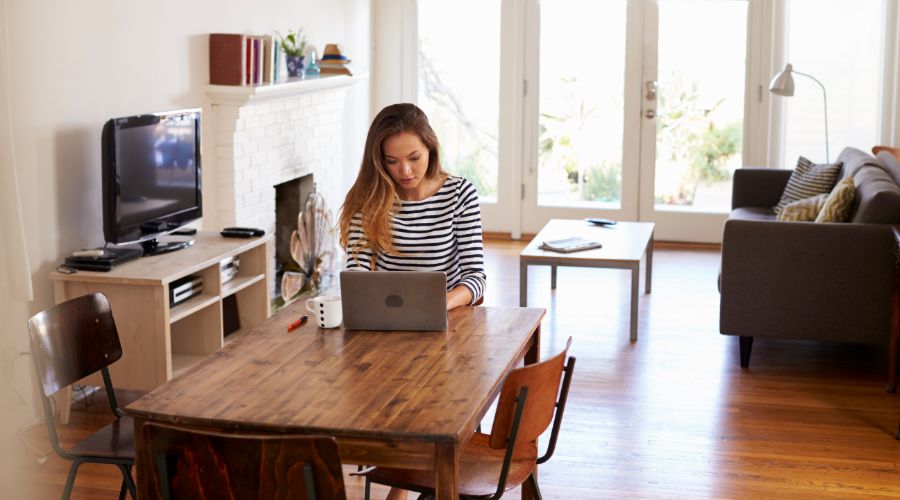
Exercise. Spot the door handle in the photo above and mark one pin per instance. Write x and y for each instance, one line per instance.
(650, 114)
(650, 86)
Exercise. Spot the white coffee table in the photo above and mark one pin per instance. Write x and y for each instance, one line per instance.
(624, 245)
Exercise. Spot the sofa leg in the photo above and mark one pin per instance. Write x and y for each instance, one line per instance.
(746, 347)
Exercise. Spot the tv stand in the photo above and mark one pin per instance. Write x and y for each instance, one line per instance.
(160, 340)
(154, 247)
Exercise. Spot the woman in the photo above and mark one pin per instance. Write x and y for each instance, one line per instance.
(405, 213)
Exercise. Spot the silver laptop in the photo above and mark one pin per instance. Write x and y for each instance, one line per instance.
(394, 300)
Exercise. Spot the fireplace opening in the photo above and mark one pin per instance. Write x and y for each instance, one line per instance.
(290, 200)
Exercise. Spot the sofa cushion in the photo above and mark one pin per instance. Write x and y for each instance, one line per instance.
(752, 213)
(891, 164)
(852, 159)
(877, 197)
(805, 210)
(808, 180)
(838, 204)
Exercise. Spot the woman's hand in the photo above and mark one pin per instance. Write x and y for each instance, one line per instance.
(459, 296)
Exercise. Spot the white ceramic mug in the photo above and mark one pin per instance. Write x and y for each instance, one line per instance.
(327, 310)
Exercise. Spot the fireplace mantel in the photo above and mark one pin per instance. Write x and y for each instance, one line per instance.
(240, 95)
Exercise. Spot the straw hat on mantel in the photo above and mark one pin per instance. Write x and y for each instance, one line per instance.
(332, 53)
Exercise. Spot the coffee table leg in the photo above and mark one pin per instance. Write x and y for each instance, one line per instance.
(647, 280)
(446, 471)
(523, 284)
(635, 282)
(553, 277)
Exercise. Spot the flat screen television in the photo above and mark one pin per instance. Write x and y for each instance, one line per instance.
(151, 177)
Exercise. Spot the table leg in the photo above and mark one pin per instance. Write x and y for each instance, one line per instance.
(446, 471)
(142, 462)
(523, 284)
(532, 355)
(553, 277)
(635, 282)
(648, 279)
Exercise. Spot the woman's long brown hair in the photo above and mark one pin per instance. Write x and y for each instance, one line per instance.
(374, 194)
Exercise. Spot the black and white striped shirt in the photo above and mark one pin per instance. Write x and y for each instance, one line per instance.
(439, 233)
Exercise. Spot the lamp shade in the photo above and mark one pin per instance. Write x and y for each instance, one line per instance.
(783, 82)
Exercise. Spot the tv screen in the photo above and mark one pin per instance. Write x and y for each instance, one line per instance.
(151, 175)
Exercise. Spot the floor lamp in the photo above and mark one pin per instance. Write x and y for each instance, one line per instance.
(783, 84)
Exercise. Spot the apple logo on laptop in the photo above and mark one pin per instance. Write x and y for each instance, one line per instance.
(393, 301)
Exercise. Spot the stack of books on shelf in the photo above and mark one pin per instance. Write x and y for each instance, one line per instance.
(237, 59)
(334, 62)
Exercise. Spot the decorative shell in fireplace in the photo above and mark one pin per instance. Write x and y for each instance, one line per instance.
(313, 248)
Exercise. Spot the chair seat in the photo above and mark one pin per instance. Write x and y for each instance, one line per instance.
(479, 471)
(116, 440)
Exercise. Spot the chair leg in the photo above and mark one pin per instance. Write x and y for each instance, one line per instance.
(535, 489)
(70, 480)
(368, 488)
(122, 490)
(128, 480)
(746, 347)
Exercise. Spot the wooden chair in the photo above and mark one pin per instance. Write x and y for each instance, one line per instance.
(889, 149)
(70, 341)
(491, 464)
(205, 465)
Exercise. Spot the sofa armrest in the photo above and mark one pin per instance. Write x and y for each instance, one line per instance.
(802, 280)
(758, 187)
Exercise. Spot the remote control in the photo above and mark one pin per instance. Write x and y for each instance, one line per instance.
(88, 253)
(252, 230)
(601, 222)
(231, 232)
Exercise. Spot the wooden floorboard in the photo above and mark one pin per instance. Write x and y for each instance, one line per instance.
(671, 415)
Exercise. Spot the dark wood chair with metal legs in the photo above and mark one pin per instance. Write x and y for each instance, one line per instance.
(69, 342)
(206, 465)
(491, 464)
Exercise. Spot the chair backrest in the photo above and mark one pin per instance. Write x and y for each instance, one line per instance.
(543, 381)
(206, 465)
(889, 149)
(72, 340)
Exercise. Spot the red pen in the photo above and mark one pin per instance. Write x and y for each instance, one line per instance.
(296, 324)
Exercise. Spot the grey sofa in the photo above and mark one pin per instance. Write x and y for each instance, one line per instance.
(806, 280)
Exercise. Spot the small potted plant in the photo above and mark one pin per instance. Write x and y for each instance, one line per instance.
(294, 46)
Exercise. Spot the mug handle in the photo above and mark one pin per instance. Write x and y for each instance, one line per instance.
(311, 305)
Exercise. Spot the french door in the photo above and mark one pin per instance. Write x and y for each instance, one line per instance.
(636, 112)
(635, 109)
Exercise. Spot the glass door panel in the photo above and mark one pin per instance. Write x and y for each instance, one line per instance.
(849, 67)
(700, 103)
(458, 85)
(581, 103)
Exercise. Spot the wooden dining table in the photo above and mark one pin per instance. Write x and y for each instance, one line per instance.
(390, 398)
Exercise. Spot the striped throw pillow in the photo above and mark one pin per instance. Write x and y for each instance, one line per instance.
(837, 205)
(804, 210)
(808, 180)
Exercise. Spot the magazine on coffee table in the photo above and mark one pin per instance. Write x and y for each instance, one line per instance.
(568, 245)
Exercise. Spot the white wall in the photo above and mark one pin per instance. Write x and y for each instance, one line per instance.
(73, 65)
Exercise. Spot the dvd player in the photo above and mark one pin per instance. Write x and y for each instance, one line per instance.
(110, 258)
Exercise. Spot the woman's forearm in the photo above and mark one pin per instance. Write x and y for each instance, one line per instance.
(459, 296)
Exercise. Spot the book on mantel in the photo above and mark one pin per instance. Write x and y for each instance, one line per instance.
(227, 59)
(568, 245)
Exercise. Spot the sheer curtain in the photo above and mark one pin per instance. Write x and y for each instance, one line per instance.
(12, 231)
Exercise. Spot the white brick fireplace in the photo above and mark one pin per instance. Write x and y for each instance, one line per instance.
(267, 135)
(270, 134)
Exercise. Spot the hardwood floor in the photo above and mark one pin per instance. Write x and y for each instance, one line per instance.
(671, 415)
